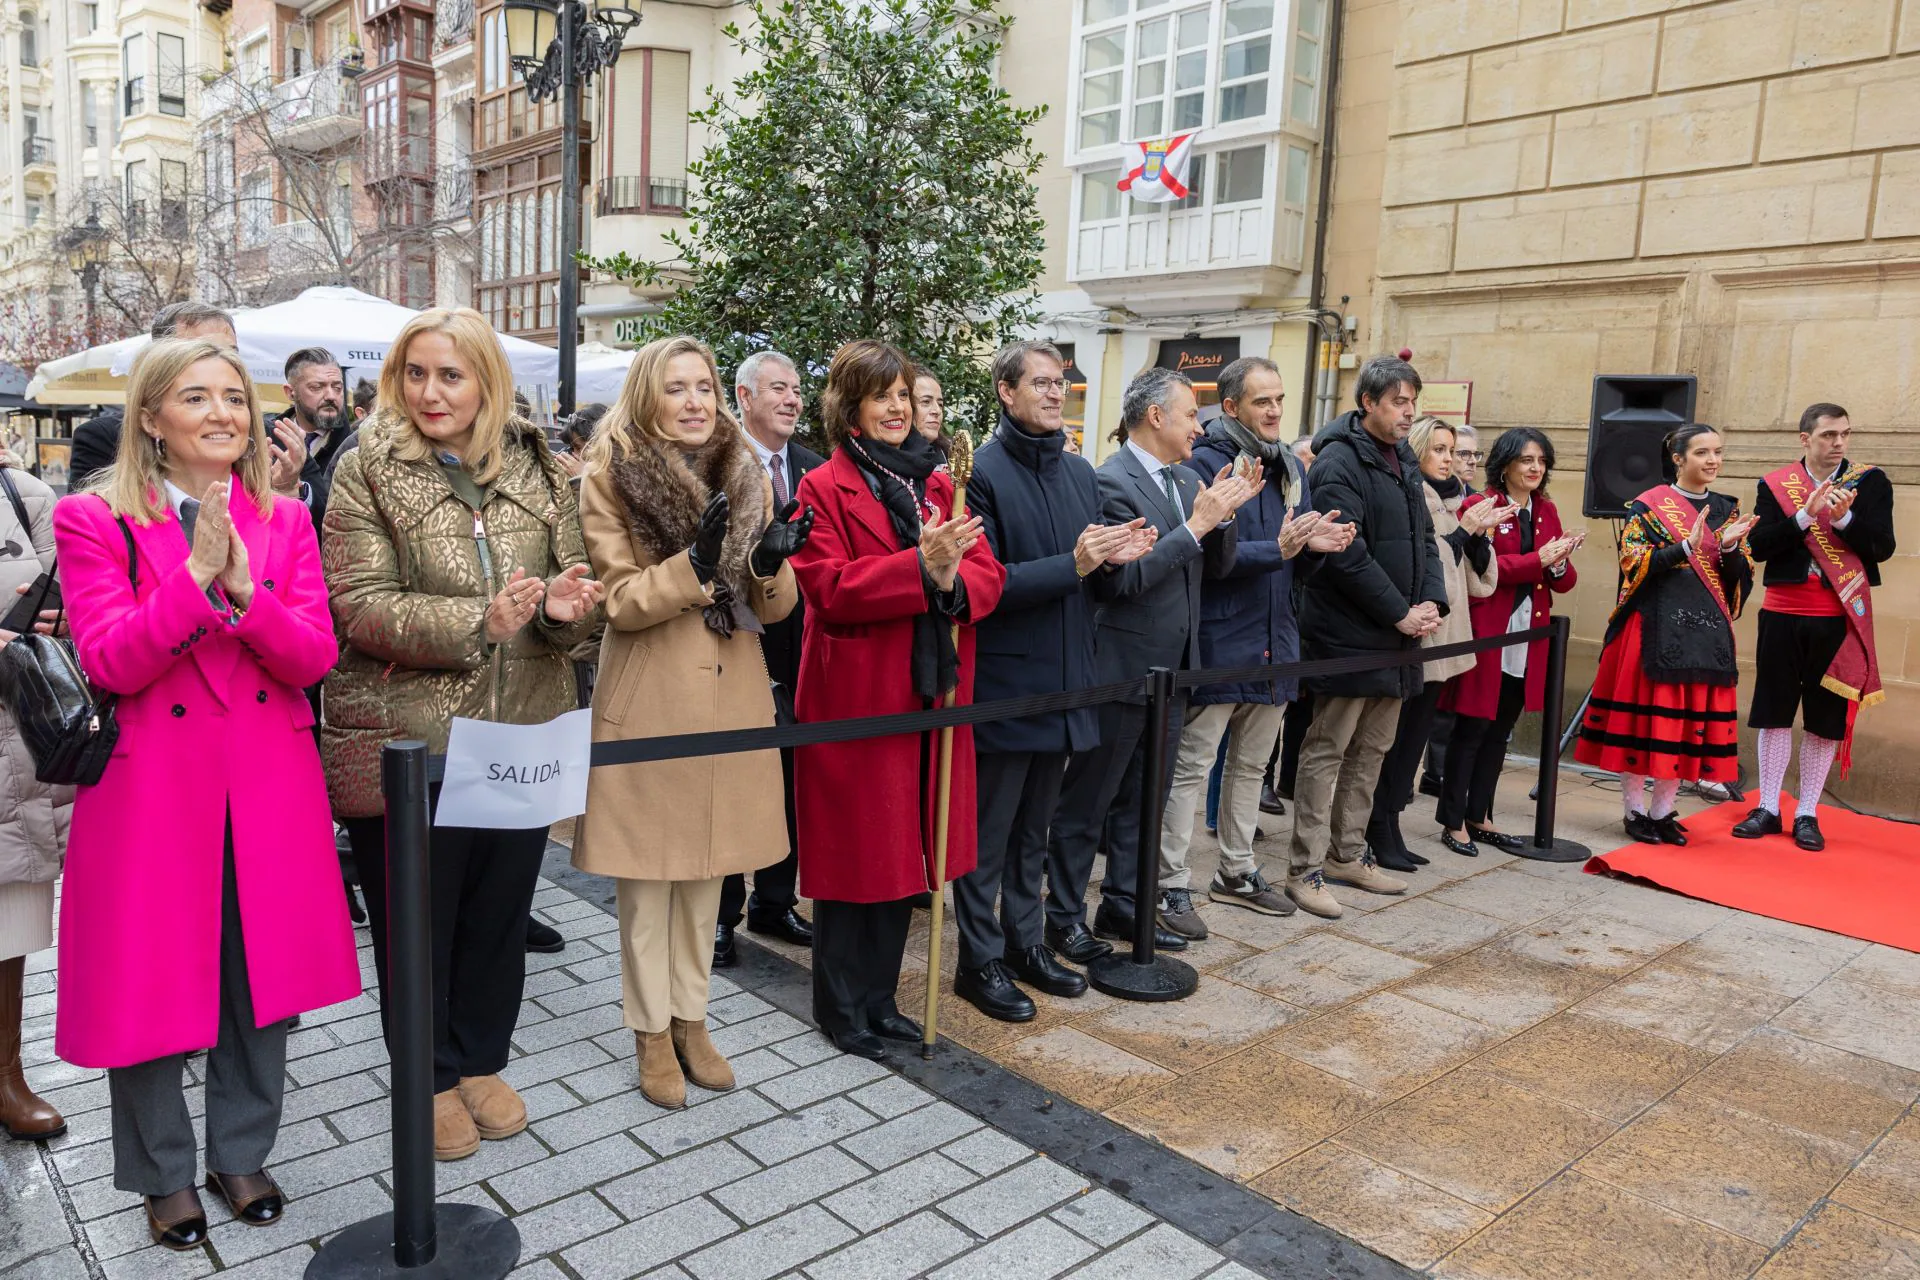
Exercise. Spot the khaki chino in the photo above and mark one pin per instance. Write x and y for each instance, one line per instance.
(1339, 768)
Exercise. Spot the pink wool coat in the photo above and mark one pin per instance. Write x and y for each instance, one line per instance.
(213, 721)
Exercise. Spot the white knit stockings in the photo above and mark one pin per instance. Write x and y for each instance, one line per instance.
(1776, 748)
(1816, 757)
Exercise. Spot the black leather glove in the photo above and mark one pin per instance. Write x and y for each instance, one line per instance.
(705, 551)
(782, 538)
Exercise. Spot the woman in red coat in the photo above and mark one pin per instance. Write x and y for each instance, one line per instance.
(1533, 559)
(887, 576)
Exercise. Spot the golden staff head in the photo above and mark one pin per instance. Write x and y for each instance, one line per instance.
(960, 458)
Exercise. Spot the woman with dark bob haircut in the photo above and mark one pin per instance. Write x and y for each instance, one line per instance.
(1531, 555)
(890, 576)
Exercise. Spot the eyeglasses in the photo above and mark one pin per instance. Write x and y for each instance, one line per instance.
(1048, 386)
(1466, 455)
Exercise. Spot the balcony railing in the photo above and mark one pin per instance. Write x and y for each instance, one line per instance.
(36, 151)
(393, 154)
(642, 194)
(317, 110)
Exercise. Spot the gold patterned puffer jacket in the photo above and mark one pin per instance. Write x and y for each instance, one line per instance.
(410, 593)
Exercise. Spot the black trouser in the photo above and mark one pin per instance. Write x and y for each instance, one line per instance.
(1475, 757)
(1791, 655)
(1018, 792)
(1286, 752)
(856, 961)
(1437, 739)
(153, 1142)
(482, 889)
(775, 888)
(1100, 809)
(1394, 791)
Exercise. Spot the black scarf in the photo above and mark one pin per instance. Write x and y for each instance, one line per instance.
(899, 474)
(1448, 489)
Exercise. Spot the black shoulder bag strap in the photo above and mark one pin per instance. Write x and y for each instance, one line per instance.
(19, 505)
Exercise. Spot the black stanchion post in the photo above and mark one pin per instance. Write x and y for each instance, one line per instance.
(419, 1239)
(1144, 975)
(1545, 848)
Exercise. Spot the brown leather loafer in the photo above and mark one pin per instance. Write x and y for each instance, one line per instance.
(176, 1221)
(254, 1197)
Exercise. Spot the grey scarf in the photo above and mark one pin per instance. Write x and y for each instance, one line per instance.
(1270, 454)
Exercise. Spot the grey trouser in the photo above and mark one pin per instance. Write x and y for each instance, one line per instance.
(153, 1144)
(1339, 767)
(1255, 727)
(1018, 792)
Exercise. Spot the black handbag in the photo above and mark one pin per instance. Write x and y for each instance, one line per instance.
(70, 731)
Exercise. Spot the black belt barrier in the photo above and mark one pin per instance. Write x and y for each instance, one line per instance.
(423, 1240)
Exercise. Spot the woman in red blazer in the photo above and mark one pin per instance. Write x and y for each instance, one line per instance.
(1533, 558)
(886, 576)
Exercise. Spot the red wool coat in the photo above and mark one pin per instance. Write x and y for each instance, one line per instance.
(1477, 692)
(866, 807)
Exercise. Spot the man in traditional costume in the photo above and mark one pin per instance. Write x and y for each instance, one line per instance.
(1825, 526)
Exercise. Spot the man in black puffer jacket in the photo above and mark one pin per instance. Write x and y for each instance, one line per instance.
(1380, 595)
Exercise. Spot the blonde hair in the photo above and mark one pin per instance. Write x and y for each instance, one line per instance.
(636, 411)
(135, 485)
(473, 338)
(1420, 439)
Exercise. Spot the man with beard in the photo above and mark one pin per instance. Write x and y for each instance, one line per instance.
(767, 390)
(1040, 511)
(318, 393)
(1246, 619)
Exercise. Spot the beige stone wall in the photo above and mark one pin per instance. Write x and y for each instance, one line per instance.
(1530, 192)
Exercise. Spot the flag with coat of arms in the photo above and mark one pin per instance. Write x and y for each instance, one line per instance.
(1159, 171)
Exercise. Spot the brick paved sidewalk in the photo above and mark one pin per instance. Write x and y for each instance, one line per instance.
(819, 1164)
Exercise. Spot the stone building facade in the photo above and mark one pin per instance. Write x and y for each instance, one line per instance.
(1532, 192)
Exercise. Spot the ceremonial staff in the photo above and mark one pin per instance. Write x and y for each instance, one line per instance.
(960, 464)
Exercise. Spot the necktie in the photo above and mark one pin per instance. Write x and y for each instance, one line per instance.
(779, 470)
(1525, 517)
(1173, 491)
(189, 517)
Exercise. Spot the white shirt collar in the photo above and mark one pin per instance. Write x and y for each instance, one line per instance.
(175, 496)
(763, 453)
(1153, 465)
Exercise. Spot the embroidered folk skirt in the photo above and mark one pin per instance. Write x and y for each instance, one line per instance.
(1635, 724)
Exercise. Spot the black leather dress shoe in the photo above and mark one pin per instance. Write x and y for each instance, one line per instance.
(1758, 822)
(544, 938)
(897, 1026)
(1037, 967)
(1118, 926)
(1077, 943)
(176, 1221)
(1465, 848)
(1271, 802)
(861, 1044)
(1671, 832)
(1429, 785)
(724, 956)
(255, 1198)
(990, 989)
(1806, 834)
(788, 926)
(1394, 860)
(1640, 827)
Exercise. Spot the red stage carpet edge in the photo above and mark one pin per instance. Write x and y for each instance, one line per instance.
(1865, 884)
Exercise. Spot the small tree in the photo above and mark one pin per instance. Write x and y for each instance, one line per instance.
(870, 179)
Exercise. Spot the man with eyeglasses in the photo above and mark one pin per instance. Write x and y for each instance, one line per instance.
(1040, 507)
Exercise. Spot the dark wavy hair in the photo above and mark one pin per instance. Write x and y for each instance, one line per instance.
(860, 368)
(1508, 448)
(1678, 441)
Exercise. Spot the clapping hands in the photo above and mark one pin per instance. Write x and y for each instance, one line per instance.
(943, 543)
(1318, 531)
(219, 556)
(1103, 544)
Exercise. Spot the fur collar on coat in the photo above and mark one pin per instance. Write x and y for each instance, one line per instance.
(666, 489)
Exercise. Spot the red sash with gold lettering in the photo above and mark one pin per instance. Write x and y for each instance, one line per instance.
(1677, 516)
(1854, 673)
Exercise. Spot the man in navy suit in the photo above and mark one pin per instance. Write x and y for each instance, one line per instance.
(1152, 620)
(767, 389)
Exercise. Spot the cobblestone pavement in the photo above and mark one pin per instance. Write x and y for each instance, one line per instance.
(818, 1165)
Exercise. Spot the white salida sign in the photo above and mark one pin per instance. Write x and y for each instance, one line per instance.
(514, 776)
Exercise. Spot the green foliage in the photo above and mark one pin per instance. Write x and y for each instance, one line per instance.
(869, 179)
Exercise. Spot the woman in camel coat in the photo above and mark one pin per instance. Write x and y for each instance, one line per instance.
(681, 529)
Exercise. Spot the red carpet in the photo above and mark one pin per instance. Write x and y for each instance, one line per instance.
(1866, 884)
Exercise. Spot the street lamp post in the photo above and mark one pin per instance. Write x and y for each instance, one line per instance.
(557, 47)
(86, 248)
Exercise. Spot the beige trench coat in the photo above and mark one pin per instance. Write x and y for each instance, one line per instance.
(1462, 584)
(663, 671)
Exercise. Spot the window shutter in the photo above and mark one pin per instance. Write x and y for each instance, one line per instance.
(668, 144)
(628, 103)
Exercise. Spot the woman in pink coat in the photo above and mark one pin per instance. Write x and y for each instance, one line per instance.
(203, 904)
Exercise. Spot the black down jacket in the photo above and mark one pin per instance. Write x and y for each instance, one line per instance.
(1351, 605)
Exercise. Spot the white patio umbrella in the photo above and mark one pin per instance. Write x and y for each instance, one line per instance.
(356, 327)
(599, 372)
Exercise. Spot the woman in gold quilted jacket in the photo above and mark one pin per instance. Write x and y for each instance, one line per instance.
(459, 580)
